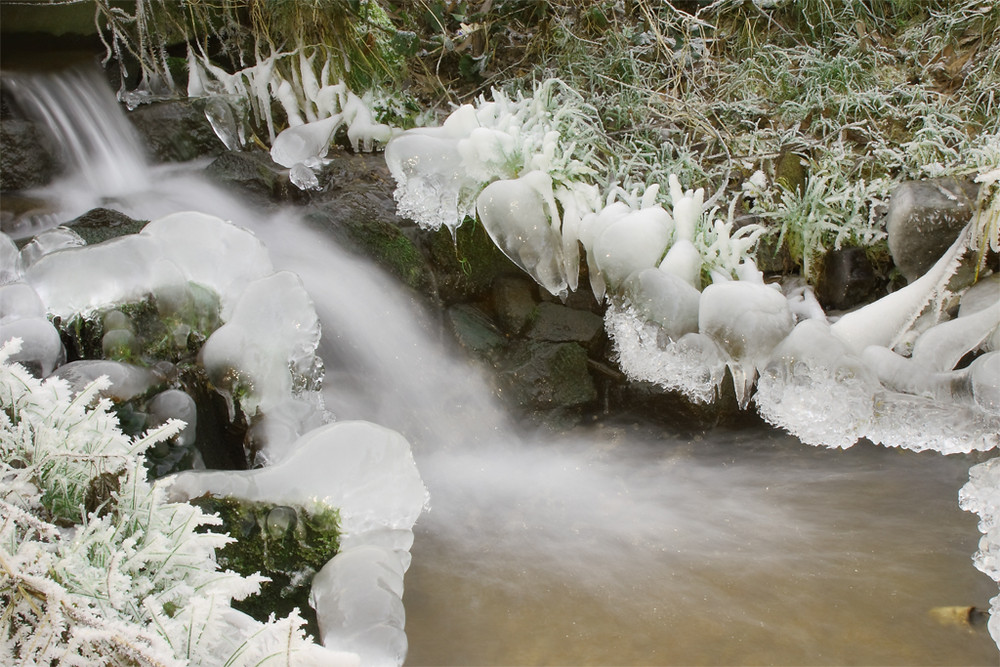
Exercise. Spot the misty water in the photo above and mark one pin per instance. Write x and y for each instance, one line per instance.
(621, 543)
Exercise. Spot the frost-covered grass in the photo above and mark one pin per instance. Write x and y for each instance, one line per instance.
(95, 565)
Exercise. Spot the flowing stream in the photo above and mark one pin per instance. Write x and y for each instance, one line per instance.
(621, 543)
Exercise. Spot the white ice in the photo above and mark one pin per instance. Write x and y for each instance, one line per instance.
(518, 216)
(747, 319)
(981, 494)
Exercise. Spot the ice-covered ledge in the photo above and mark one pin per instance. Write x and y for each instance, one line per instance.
(368, 472)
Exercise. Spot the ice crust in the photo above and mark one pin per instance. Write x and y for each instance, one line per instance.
(369, 473)
(981, 495)
(263, 356)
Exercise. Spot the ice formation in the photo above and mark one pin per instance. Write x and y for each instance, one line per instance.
(262, 355)
(315, 109)
(368, 472)
(868, 374)
(981, 494)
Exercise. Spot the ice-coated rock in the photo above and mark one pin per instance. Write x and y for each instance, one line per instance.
(431, 189)
(883, 322)
(815, 388)
(631, 243)
(41, 350)
(300, 143)
(665, 299)
(981, 495)
(174, 404)
(684, 261)
(19, 300)
(57, 238)
(115, 271)
(920, 423)
(747, 319)
(518, 216)
(592, 225)
(224, 259)
(267, 348)
(127, 380)
(359, 607)
(365, 470)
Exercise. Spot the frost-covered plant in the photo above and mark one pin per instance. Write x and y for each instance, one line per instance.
(95, 565)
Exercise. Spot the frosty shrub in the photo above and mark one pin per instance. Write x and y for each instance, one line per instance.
(95, 566)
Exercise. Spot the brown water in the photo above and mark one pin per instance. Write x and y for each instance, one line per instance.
(614, 548)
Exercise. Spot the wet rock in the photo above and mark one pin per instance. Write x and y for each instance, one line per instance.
(101, 224)
(176, 131)
(544, 375)
(466, 267)
(25, 161)
(848, 278)
(924, 219)
(357, 209)
(556, 323)
(475, 331)
(515, 301)
(253, 171)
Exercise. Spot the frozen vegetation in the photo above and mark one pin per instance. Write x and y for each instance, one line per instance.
(89, 545)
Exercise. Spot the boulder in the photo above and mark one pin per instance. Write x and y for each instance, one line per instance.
(176, 131)
(475, 331)
(538, 375)
(849, 278)
(25, 161)
(252, 171)
(924, 219)
(556, 323)
(101, 224)
(514, 300)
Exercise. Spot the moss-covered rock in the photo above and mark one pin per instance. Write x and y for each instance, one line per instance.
(287, 544)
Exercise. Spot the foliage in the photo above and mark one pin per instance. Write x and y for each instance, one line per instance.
(96, 567)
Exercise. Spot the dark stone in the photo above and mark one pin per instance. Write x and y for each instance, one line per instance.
(848, 279)
(924, 219)
(475, 331)
(556, 323)
(514, 300)
(253, 171)
(467, 266)
(543, 375)
(25, 161)
(101, 224)
(176, 131)
(357, 209)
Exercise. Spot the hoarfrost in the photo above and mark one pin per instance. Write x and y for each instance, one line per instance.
(981, 495)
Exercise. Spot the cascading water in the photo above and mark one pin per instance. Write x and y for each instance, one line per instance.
(619, 544)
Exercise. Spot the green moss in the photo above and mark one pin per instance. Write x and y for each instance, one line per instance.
(287, 544)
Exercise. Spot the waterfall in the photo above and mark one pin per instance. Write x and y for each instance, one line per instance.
(618, 544)
(98, 145)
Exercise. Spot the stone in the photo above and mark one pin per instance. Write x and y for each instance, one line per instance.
(924, 219)
(475, 331)
(514, 301)
(848, 279)
(556, 323)
(252, 171)
(101, 224)
(545, 375)
(175, 131)
(25, 161)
